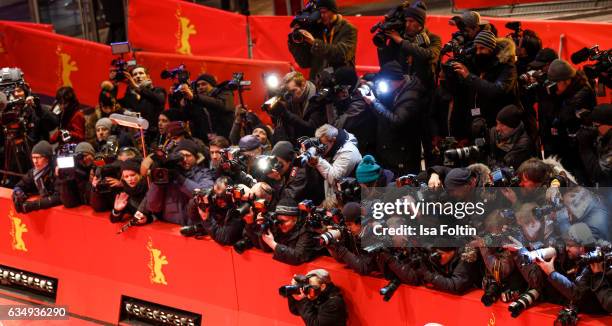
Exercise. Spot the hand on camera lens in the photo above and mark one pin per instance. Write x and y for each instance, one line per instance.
(395, 36)
(114, 183)
(308, 38)
(461, 69)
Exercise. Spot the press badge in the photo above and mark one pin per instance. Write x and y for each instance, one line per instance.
(554, 132)
(475, 112)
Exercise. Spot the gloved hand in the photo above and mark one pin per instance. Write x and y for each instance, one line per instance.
(30, 206)
(19, 197)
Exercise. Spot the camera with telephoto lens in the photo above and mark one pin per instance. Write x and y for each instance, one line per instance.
(277, 101)
(455, 45)
(348, 190)
(106, 171)
(181, 76)
(231, 159)
(600, 254)
(305, 19)
(266, 163)
(302, 283)
(318, 218)
(10, 79)
(193, 230)
(568, 316)
(601, 69)
(530, 257)
(492, 291)
(165, 162)
(394, 20)
(119, 65)
(526, 300)
(532, 79)
(504, 177)
(464, 155)
(237, 83)
(388, 290)
(312, 148)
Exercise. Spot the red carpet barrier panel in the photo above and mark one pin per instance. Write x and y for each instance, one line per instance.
(470, 4)
(174, 26)
(95, 267)
(41, 27)
(270, 35)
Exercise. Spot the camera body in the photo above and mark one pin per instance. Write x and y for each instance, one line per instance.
(181, 76)
(160, 175)
(601, 69)
(312, 147)
(532, 79)
(306, 19)
(600, 254)
(504, 177)
(348, 190)
(462, 155)
(394, 20)
(231, 159)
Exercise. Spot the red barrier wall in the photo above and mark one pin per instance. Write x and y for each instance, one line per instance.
(174, 26)
(470, 4)
(41, 27)
(270, 35)
(95, 267)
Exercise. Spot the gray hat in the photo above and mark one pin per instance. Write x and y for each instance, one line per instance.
(560, 70)
(469, 18)
(321, 274)
(284, 150)
(581, 234)
(43, 148)
(249, 143)
(486, 39)
(85, 147)
(104, 122)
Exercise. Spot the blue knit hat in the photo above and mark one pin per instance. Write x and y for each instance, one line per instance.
(367, 170)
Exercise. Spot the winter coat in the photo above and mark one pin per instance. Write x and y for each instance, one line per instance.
(398, 138)
(344, 159)
(49, 196)
(328, 309)
(356, 119)
(212, 114)
(72, 120)
(150, 105)
(297, 246)
(338, 52)
(520, 149)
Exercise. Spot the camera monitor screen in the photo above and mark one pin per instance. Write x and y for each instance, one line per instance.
(65, 162)
(120, 48)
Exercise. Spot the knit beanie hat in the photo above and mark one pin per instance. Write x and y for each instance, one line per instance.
(104, 122)
(287, 206)
(391, 70)
(85, 147)
(581, 234)
(417, 14)
(174, 114)
(456, 178)
(284, 150)
(175, 128)
(43, 148)
(207, 78)
(560, 70)
(187, 145)
(510, 116)
(329, 4)
(368, 170)
(346, 76)
(487, 39)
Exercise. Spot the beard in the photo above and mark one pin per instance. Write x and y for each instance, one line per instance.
(484, 61)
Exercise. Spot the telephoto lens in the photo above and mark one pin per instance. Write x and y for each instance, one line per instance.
(388, 291)
(530, 257)
(330, 236)
(492, 291)
(523, 302)
(193, 230)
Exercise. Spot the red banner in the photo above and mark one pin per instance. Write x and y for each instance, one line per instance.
(181, 27)
(473, 4)
(95, 267)
(41, 27)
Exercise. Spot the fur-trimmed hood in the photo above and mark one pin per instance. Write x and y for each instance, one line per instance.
(506, 50)
(555, 162)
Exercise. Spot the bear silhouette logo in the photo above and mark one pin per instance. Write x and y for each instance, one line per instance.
(156, 263)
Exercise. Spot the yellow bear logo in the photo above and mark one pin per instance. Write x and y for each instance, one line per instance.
(17, 231)
(156, 262)
(67, 67)
(186, 29)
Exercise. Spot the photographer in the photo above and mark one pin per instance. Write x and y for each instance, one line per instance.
(595, 146)
(210, 110)
(214, 153)
(371, 176)
(573, 98)
(332, 43)
(297, 115)
(347, 250)
(508, 140)
(75, 183)
(248, 123)
(319, 302)
(142, 97)
(456, 271)
(417, 50)
(103, 132)
(398, 113)
(38, 181)
(589, 290)
(350, 112)
(70, 118)
(340, 158)
(491, 85)
(293, 242)
(133, 191)
(470, 24)
(40, 121)
(583, 206)
(168, 201)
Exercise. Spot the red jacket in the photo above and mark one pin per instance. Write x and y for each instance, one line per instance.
(72, 120)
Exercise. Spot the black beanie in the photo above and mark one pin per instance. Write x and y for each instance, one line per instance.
(417, 14)
(329, 4)
(188, 145)
(346, 76)
(391, 70)
(510, 116)
(131, 165)
(43, 148)
(174, 114)
(207, 78)
(352, 212)
(602, 114)
(287, 206)
(456, 178)
(284, 150)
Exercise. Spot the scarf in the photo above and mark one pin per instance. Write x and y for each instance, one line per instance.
(39, 182)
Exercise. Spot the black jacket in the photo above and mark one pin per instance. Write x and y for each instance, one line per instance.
(349, 252)
(150, 105)
(398, 138)
(75, 189)
(458, 276)
(46, 189)
(596, 155)
(328, 309)
(339, 52)
(214, 114)
(357, 119)
(226, 231)
(136, 196)
(296, 247)
(519, 149)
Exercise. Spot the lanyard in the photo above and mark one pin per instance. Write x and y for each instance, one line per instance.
(331, 36)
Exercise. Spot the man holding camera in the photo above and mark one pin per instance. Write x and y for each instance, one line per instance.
(169, 200)
(398, 112)
(595, 146)
(74, 183)
(340, 158)
(332, 44)
(319, 302)
(508, 140)
(210, 110)
(38, 181)
(142, 97)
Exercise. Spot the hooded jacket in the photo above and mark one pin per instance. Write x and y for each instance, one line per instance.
(340, 162)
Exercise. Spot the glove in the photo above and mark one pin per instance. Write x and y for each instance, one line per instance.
(18, 198)
(30, 206)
